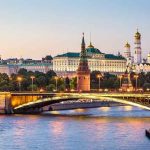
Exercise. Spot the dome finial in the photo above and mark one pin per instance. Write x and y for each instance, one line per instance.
(137, 34)
(90, 37)
(90, 46)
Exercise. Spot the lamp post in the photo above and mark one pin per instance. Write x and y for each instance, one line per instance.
(120, 79)
(56, 79)
(136, 79)
(99, 76)
(32, 79)
(19, 79)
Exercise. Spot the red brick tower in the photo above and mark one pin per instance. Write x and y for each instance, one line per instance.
(83, 71)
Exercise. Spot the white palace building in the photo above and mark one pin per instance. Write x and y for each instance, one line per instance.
(67, 64)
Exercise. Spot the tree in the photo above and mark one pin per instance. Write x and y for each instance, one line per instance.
(41, 81)
(67, 83)
(50, 74)
(146, 86)
(4, 82)
(35, 88)
(73, 83)
(94, 79)
(50, 87)
(23, 72)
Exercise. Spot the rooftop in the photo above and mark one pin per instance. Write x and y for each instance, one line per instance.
(107, 56)
(112, 56)
(69, 54)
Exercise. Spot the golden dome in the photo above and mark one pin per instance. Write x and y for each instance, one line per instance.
(127, 45)
(90, 46)
(137, 35)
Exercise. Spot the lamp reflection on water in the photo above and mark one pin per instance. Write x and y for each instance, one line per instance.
(128, 108)
(80, 110)
(55, 112)
(104, 109)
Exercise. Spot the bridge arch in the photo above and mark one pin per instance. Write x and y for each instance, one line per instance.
(52, 100)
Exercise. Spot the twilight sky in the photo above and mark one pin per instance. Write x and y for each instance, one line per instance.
(35, 28)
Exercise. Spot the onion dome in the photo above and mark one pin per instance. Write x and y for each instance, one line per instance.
(137, 35)
(127, 45)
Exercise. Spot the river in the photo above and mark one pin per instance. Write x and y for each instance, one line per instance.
(115, 128)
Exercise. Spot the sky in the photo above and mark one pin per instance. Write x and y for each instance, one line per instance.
(36, 28)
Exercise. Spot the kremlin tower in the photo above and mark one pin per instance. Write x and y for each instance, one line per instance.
(138, 53)
(83, 71)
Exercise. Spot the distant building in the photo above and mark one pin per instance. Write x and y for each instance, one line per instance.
(11, 66)
(8, 69)
(142, 67)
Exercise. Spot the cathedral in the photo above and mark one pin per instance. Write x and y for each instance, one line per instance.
(135, 62)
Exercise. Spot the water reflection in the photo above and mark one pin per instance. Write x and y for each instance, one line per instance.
(104, 109)
(127, 108)
(56, 128)
(106, 128)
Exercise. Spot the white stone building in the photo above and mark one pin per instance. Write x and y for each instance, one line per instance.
(67, 64)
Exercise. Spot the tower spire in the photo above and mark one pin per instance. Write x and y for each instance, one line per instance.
(90, 39)
(83, 42)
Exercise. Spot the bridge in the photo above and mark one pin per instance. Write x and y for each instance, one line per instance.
(35, 102)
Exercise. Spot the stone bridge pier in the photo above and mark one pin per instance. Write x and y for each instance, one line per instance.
(10, 100)
(5, 103)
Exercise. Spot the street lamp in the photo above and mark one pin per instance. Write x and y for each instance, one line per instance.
(19, 79)
(120, 79)
(136, 78)
(32, 78)
(56, 78)
(99, 76)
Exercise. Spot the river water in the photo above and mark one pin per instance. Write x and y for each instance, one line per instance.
(115, 128)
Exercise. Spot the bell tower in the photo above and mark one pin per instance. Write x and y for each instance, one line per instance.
(138, 51)
(83, 71)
